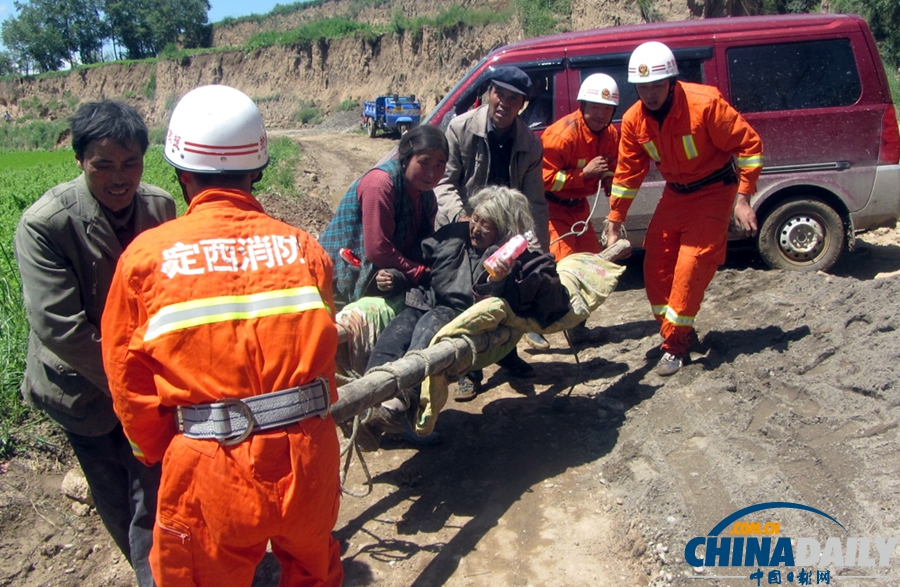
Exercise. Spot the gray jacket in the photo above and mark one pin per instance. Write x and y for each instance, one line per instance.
(469, 165)
(67, 253)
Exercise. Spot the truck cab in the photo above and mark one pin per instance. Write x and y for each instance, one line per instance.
(391, 113)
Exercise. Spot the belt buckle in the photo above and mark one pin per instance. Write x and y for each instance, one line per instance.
(247, 412)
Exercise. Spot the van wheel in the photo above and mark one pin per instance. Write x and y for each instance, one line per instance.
(801, 235)
(370, 127)
(403, 127)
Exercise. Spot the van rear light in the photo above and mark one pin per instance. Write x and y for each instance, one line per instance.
(889, 154)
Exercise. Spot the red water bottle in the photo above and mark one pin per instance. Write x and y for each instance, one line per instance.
(509, 251)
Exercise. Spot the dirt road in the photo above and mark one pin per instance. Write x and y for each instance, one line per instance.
(793, 400)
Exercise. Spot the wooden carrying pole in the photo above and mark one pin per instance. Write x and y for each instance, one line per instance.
(384, 383)
(388, 380)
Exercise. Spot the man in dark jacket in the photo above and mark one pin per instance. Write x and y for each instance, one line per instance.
(455, 255)
(67, 245)
(492, 146)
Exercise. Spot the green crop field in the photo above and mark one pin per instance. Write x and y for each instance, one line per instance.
(24, 177)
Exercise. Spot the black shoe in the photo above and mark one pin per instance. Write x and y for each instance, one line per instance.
(516, 366)
(410, 435)
(466, 390)
(368, 438)
(581, 334)
(537, 340)
(374, 425)
(385, 420)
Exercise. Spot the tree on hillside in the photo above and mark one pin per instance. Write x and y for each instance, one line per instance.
(883, 17)
(7, 63)
(54, 32)
(144, 27)
(33, 40)
(46, 35)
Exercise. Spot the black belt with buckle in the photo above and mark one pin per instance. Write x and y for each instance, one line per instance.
(727, 175)
(562, 202)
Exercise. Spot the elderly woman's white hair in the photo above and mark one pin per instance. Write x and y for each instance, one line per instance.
(507, 208)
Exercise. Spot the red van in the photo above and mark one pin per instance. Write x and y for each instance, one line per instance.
(813, 86)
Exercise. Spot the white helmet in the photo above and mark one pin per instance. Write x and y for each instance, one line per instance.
(600, 89)
(216, 129)
(651, 62)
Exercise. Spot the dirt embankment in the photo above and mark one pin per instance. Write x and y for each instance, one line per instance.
(325, 73)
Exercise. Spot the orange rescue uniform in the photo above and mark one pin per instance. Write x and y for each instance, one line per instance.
(686, 239)
(227, 302)
(569, 145)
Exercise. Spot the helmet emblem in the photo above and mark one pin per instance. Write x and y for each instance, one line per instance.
(605, 94)
(643, 70)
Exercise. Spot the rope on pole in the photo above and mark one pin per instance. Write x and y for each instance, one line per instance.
(452, 355)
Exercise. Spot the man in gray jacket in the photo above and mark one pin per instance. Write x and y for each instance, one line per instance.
(492, 145)
(67, 245)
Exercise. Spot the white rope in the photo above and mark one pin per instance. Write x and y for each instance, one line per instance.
(424, 357)
(585, 224)
(348, 450)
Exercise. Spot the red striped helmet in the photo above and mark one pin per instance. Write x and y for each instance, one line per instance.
(651, 62)
(216, 129)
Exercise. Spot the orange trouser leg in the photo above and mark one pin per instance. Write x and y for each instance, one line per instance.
(685, 244)
(562, 219)
(219, 506)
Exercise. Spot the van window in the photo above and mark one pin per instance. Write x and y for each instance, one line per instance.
(689, 70)
(793, 76)
(538, 112)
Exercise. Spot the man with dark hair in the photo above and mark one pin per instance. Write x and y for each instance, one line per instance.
(492, 145)
(220, 345)
(67, 245)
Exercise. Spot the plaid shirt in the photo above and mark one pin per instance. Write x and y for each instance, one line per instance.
(345, 232)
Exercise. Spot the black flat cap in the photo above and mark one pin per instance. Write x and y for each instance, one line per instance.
(512, 79)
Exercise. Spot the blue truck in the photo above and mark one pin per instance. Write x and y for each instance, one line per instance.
(392, 113)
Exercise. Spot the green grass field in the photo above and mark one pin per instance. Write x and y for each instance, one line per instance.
(24, 177)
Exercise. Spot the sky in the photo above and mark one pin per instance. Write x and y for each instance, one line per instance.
(219, 9)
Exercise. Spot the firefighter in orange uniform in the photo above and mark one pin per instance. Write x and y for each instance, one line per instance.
(219, 343)
(580, 152)
(710, 159)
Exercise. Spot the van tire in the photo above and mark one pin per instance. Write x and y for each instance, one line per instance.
(370, 127)
(403, 127)
(801, 235)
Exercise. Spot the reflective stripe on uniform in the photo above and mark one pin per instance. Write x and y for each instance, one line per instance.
(659, 310)
(651, 149)
(690, 147)
(559, 181)
(750, 161)
(136, 450)
(677, 320)
(620, 191)
(225, 308)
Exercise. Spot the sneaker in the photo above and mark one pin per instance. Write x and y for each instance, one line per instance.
(669, 364)
(581, 334)
(537, 340)
(466, 390)
(516, 366)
